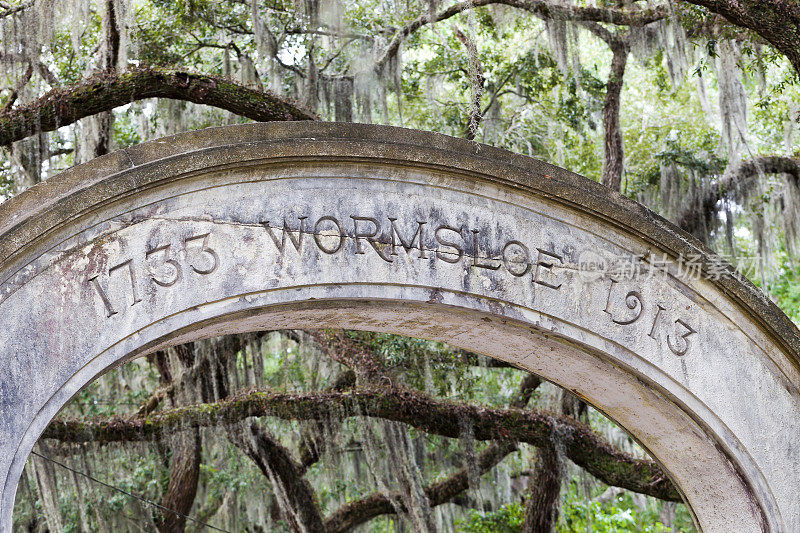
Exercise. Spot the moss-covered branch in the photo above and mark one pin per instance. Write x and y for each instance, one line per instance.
(339, 346)
(9, 10)
(777, 21)
(105, 91)
(439, 417)
(738, 180)
(546, 9)
(358, 512)
(195, 370)
(300, 509)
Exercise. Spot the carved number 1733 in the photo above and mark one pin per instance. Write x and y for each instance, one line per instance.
(165, 270)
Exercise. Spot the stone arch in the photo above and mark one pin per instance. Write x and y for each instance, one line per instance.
(288, 225)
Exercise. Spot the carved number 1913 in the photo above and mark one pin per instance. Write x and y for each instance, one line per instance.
(165, 270)
(635, 302)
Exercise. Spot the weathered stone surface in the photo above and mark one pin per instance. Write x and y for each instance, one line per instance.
(335, 225)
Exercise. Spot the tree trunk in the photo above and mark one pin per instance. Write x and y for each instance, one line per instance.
(184, 474)
(110, 58)
(184, 468)
(28, 156)
(541, 513)
(544, 486)
(613, 164)
(343, 98)
(48, 488)
(101, 145)
(111, 37)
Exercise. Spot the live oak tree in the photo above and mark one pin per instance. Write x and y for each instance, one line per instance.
(674, 103)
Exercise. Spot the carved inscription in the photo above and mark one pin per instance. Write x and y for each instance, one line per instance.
(163, 267)
(386, 240)
(678, 342)
(452, 244)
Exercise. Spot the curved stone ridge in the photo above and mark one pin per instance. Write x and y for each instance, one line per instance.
(288, 225)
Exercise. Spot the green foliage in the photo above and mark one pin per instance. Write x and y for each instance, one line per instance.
(579, 515)
(700, 157)
(68, 66)
(785, 286)
(615, 517)
(508, 519)
(6, 179)
(661, 127)
(621, 515)
(126, 132)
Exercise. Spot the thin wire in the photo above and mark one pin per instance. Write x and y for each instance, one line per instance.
(123, 491)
